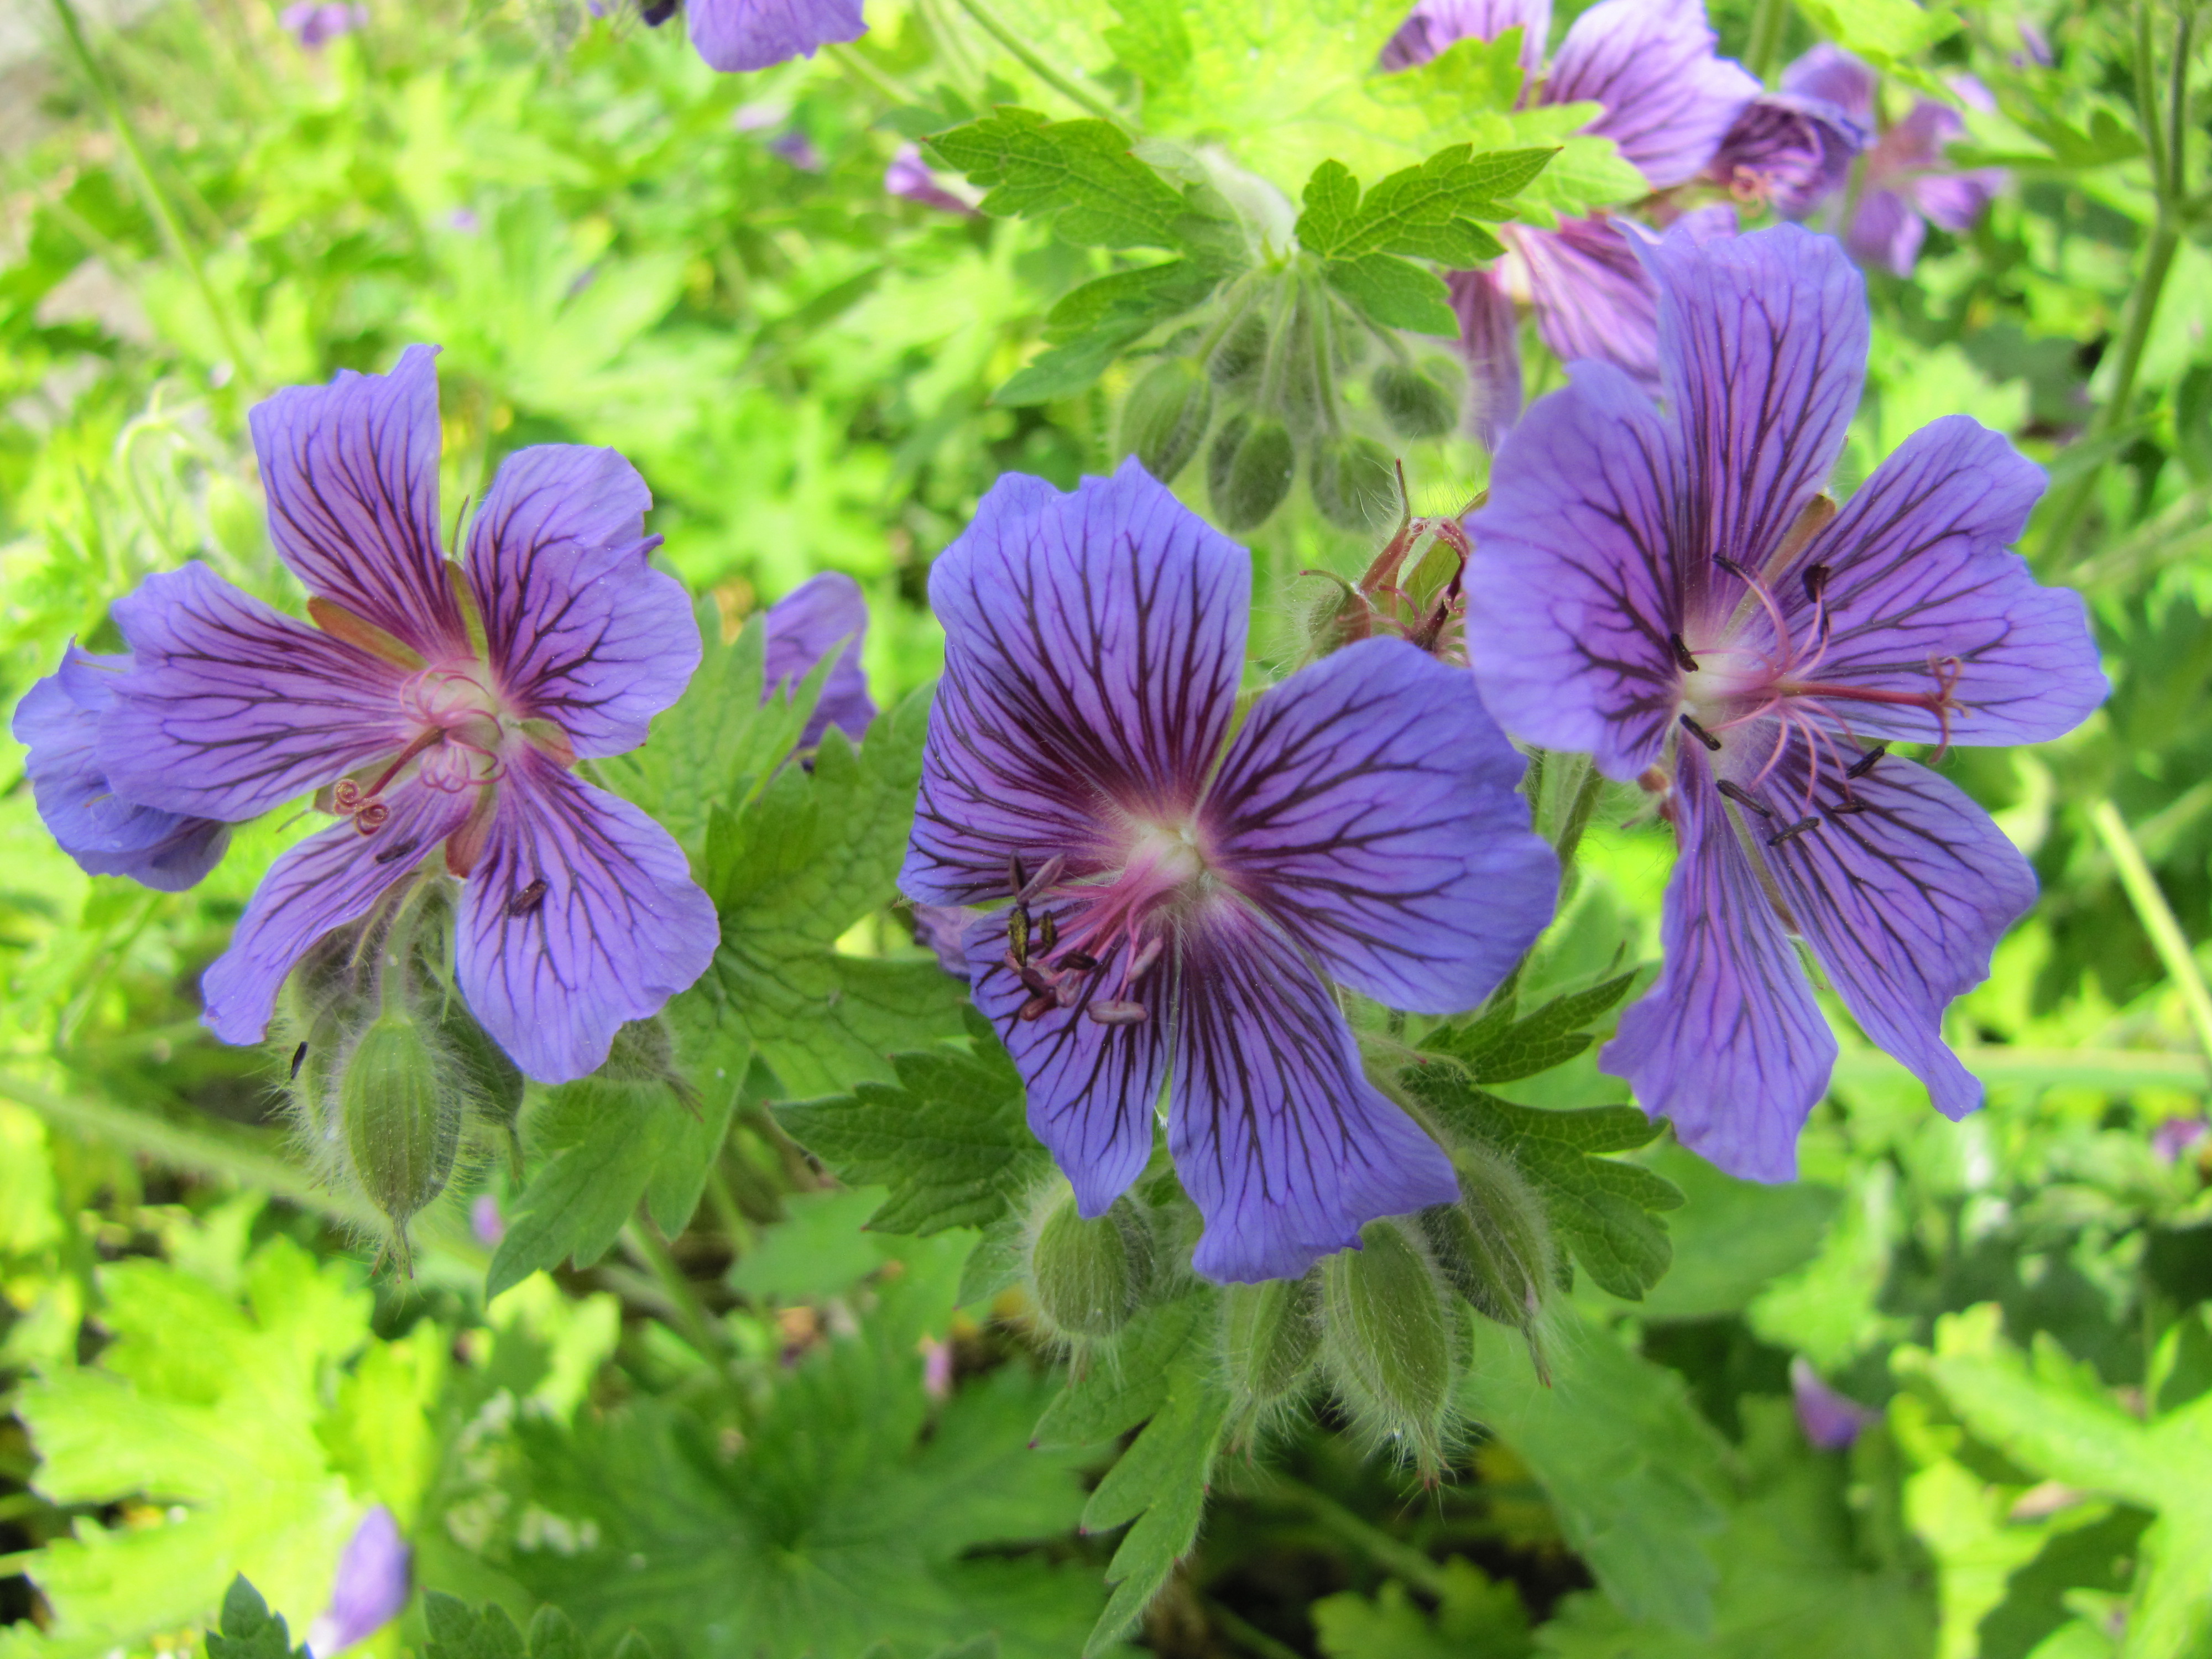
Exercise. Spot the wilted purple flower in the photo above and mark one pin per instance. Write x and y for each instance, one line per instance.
(1905, 185)
(909, 176)
(1179, 920)
(370, 1589)
(1646, 585)
(805, 625)
(435, 708)
(58, 721)
(315, 24)
(758, 34)
(1830, 1421)
(1666, 99)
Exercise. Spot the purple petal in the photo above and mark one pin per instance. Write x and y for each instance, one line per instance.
(1916, 142)
(1668, 99)
(315, 24)
(943, 929)
(804, 626)
(1834, 77)
(911, 176)
(351, 470)
(1091, 1087)
(1369, 808)
(58, 721)
(581, 629)
(1093, 644)
(2177, 1136)
(1490, 338)
(1435, 24)
(1282, 1143)
(324, 881)
(1792, 152)
(1830, 1421)
(1729, 1042)
(1763, 343)
(371, 1587)
(1956, 201)
(1593, 298)
(581, 916)
(753, 34)
(1570, 591)
(231, 709)
(1919, 571)
(1886, 230)
(1902, 904)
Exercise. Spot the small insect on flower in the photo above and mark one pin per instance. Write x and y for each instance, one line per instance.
(1621, 545)
(1178, 913)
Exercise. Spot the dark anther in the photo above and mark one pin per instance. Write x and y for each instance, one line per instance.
(1683, 659)
(1118, 1013)
(527, 900)
(1017, 934)
(1793, 831)
(657, 12)
(1047, 934)
(1701, 734)
(1038, 1006)
(1845, 808)
(1037, 981)
(1017, 877)
(1864, 764)
(1816, 582)
(397, 850)
(1732, 567)
(1078, 961)
(1743, 797)
(299, 1059)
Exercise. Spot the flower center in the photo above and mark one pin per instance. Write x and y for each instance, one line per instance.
(1090, 944)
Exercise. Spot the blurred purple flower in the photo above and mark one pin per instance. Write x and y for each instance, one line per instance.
(796, 148)
(315, 24)
(936, 1368)
(464, 220)
(370, 1589)
(1178, 912)
(2034, 47)
(820, 615)
(1665, 98)
(757, 35)
(488, 1225)
(909, 176)
(943, 929)
(434, 708)
(2176, 1137)
(1788, 151)
(1648, 585)
(1830, 1421)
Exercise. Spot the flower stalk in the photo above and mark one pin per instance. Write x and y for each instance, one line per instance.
(2158, 919)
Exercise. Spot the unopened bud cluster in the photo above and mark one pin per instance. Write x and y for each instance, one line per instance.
(1089, 1276)
(1255, 386)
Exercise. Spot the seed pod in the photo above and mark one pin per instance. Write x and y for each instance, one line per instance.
(1237, 357)
(1165, 416)
(1415, 405)
(402, 1113)
(1495, 1247)
(1270, 1334)
(1353, 484)
(1257, 477)
(1390, 1340)
(1090, 1276)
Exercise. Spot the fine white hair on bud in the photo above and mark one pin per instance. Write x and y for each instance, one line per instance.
(1495, 1247)
(1088, 1277)
(1389, 1343)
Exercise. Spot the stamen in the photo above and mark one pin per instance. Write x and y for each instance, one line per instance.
(1118, 1013)
(299, 1059)
(1037, 1007)
(397, 850)
(1017, 934)
(1793, 831)
(1743, 797)
(1047, 934)
(1078, 961)
(1037, 981)
(1700, 733)
(345, 797)
(1864, 764)
(1732, 569)
(1809, 523)
(1043, 879)
(1816, 583)
(370, 817)
(1017, 878)
(527, 900)
(1683, 659)
(1845, 806)
(1141, 963)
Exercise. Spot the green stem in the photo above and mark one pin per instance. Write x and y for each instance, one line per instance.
(997, 30)
(1770, 26)
(157, 199)
(1246, 1635)
(1394, 1555)
(2158, 919)
(867, 74)
(692, 1318)
(1578, 820)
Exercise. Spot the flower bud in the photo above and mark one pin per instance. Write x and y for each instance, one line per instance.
(1495, 1247)
(1250, 475)
(1091, 1276)
(1165, 416)
(1241, 352)
(1353, 484)
(1388, 1338)
(1415, 404)
(1270, 1334)
(402, 1115)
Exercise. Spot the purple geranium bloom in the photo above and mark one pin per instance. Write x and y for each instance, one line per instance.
(1646, 587)
(58, 721)
(315, 24)
(435, 708)
(909, 176)
(805, 625)
(1666, 99)
(1180, 912)
(1788, 151)
(370, 1589)
(1830, 1421)
(1905, 185)
(757, 35)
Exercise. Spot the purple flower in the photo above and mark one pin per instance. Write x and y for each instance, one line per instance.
(909, 176)
(804, 626)
(1180, 912)
(1650, 586)
(1830, 1421)
(370, 1589)
(1788, 151)
(58, 721)
(1666, 99)
(755, 34)
(315, 24)
(1905, 185)
(434, 708)
(2176, 1136)
(486, 1223)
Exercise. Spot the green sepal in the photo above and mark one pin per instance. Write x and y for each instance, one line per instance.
(250, 1629)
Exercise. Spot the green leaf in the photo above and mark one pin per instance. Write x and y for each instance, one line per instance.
(1476, 1618)
(1091, 324)
(1600, 1207)
(1732, 1239)
(951, 1139)
(458, 1633)
(1505, 1045)
(249, 1630)
(1888, 33)
(1394, 294)
(1427, 211)
(1079, 176)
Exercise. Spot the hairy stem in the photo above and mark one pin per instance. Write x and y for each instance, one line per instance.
(1394, 1555)
(2158, 919)
(993, 26)
(692, 1318)
(1769, 23)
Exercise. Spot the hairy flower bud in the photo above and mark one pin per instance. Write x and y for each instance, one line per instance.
(1249, 470)
(1353, 482)
(1242, 350)
(1495, 1247)
(1091, 1276)
(1389, 1340)
(1415, 405)
(1165, 416)
(402, 1115)
(1270, 1333)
